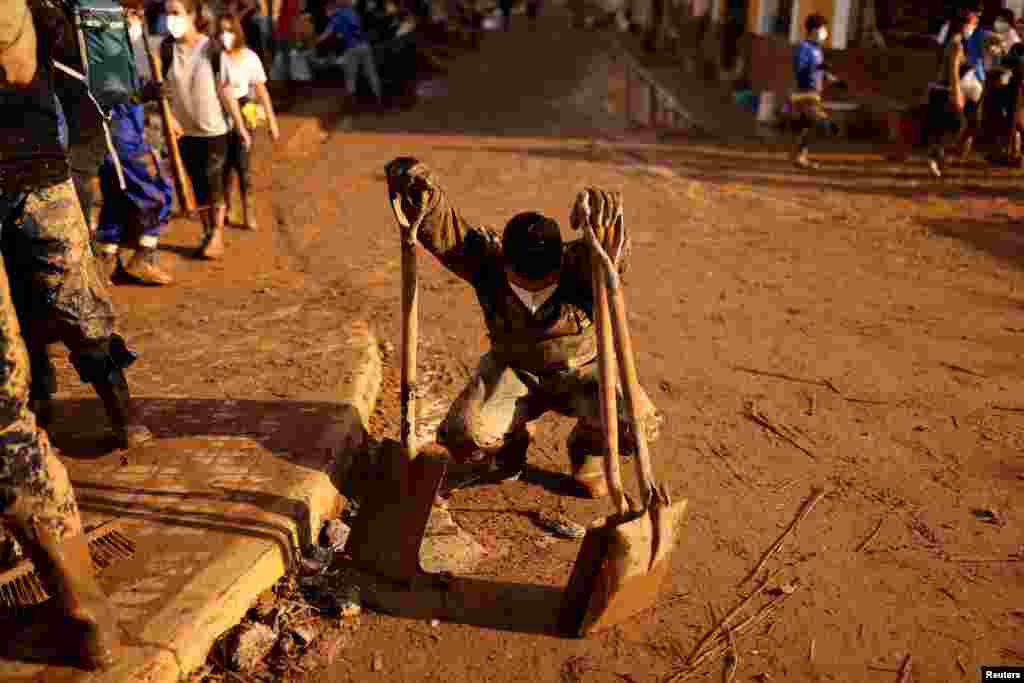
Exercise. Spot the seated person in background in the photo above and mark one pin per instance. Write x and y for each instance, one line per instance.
(345, 29)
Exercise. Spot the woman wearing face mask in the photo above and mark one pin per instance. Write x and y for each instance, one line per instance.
(200, 96)
(244, 73)
(946, 97)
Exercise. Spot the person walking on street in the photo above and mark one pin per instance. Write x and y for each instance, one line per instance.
(203, 113)
(357, 56)
(811, 73)
(246, 77)
(946, 97)
(141, 210)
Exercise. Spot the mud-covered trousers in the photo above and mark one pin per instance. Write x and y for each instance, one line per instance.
(34, 486)
(493, 410)
(55, 286)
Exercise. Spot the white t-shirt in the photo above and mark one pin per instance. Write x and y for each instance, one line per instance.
(243, 69)
(195, 97)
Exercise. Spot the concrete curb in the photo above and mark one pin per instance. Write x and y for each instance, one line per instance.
(356, 399)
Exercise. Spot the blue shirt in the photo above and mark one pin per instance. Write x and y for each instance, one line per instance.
(345, 24)
(975, 48)
(809, 66)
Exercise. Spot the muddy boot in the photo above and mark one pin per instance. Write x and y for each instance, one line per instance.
(107, 264)
(102, 365)
(117, 400)
(586, 466)
(69, 576)
(248, 213)
(504, 464)
(213, 247)
(144, 268)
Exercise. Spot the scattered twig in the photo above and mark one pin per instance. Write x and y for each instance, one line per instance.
(723, 453)
(986, 560)
(960, 665)
(717, 628)
(966, 371)
(905, 669)
(956, 425)
(810, 651)
(782, 375)
(754, 415)
(732, 659)
(874, 532)
(720, 647)
(1007, 409)
(883, 668)
(816, 495)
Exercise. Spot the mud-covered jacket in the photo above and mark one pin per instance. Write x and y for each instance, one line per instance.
(559, 336)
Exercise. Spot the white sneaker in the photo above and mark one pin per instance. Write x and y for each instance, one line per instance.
(933, 166)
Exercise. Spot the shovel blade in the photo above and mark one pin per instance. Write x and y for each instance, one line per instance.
(620, 568)
(392, 521)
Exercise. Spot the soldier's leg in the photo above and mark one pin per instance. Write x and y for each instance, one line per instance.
(37, 503)
(488, 423)
(61, 297)
(578, 396)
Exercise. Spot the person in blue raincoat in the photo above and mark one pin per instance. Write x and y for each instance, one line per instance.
(137, 214)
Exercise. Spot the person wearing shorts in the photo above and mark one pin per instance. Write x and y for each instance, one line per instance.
(244, 73)
(203, 113)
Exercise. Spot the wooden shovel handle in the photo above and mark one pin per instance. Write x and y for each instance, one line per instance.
(410, 338)
(607, 383)
(630, 381)
(182, 184)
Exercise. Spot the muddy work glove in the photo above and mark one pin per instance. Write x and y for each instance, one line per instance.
(413, 189)
(598, 213)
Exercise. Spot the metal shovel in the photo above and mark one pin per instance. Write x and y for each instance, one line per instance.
(392, 521)
(625, 557)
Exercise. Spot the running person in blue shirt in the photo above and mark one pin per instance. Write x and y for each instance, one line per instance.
(345, 25)
(811, 74)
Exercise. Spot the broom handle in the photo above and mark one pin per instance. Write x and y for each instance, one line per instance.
(607, 383)
(410, 337)
(181, 181)
(630, 380)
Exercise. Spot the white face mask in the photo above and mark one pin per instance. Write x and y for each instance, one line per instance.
(1001, 26)
(822, 34)
(533, 300)
(227, 39)
(135, 30)
(177, 25)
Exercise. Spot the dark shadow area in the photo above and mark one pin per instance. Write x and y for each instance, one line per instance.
(289, 429)
(472, 601)
(1001, 237)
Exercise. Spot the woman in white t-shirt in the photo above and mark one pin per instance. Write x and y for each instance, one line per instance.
(203, 113)
(244, 74)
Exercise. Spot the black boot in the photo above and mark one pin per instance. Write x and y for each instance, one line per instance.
(128, 429)
(102, 365)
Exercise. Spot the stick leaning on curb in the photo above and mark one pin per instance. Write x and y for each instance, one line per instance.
(625, 557)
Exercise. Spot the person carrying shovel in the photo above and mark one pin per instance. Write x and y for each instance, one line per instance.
(538, 303)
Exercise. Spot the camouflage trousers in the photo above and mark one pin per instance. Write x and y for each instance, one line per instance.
(499, 402)
(53, 278)
(34, 486)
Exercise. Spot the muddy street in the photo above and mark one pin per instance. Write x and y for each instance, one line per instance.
(857, 330)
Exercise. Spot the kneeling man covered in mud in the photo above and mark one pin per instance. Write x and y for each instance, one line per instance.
(538, 304)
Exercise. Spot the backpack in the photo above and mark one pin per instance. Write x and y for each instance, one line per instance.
(108, 74)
